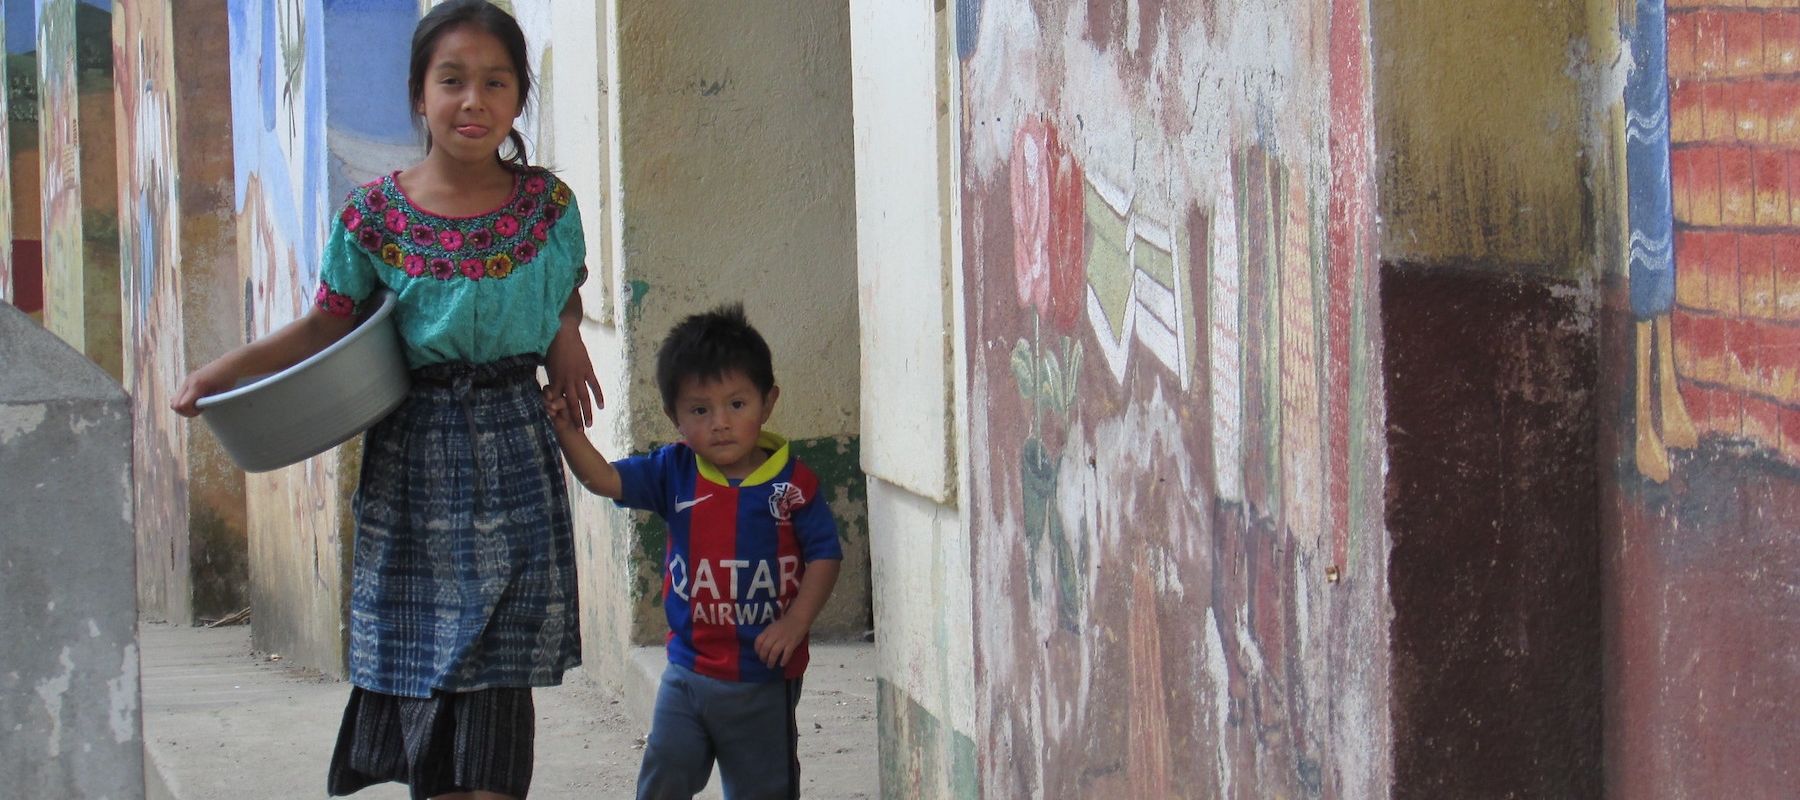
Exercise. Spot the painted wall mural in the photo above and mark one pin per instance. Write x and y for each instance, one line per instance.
(24, 275)
(318, 105)
(60, 170)
(6, 214)
(143, 58)
(1703, 665)
(1713, 144)
(1175, 458)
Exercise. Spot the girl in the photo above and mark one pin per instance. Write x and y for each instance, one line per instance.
(463, 586)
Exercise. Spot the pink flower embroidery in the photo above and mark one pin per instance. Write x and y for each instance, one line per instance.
(370, 239)
(506, 225)
(474, 269)
(450, 239)
(396, 220)
(441, 269)
(352, 218)
(525, 206)
(423, 236)
(480, 238)
(526, 251)
(377, 200)
(333, 303)
(414, 265)
(535, 184)
(552, 213)
(540, 230)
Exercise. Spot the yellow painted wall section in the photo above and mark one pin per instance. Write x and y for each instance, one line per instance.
(1480, 115)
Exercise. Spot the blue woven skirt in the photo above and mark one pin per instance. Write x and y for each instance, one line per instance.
(464, 572)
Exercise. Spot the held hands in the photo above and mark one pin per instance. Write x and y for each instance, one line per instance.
(778, 642)
(560, 417)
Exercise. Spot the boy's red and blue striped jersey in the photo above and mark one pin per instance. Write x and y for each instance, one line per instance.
(735, 554)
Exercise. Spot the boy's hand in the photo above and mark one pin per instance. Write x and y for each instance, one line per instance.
(559, 411)
(778, 642)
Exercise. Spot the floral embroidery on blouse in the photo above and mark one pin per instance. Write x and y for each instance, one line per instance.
(489, 246)
(337, 305)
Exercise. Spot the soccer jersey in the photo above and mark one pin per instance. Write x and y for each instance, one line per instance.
(736, 552)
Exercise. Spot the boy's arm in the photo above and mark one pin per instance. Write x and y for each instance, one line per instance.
(591, 468)
(777, 643)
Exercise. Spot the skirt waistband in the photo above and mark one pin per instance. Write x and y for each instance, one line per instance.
(503, 372)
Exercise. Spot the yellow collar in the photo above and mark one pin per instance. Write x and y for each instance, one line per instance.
(778, 458)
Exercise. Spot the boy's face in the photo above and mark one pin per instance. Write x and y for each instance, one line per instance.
(721, 419)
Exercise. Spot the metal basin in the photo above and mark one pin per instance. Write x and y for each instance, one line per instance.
(292, 415)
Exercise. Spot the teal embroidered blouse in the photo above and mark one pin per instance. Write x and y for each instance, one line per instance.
(474, 289)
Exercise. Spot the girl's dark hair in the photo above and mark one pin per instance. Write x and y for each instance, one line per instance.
(706, 346)
(495, 21)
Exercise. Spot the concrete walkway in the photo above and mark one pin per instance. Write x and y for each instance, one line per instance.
(223, 722)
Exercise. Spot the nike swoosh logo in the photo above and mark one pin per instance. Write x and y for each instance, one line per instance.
(683, 505)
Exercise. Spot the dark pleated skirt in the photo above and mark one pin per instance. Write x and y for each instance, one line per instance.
(448, 742)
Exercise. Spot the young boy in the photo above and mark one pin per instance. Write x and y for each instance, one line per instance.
(752, 556)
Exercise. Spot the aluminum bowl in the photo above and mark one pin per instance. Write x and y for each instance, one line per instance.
(275, 420)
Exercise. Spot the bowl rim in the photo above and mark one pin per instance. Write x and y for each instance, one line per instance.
(388, 301)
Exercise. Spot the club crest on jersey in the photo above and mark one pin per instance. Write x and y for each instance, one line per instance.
(784, 497)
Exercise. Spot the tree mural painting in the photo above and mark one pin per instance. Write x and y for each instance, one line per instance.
(1165, 225)
(1712, 148)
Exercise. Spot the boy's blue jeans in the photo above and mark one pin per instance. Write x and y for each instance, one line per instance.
(748, 727)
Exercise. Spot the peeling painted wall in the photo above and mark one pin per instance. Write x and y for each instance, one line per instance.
(25, 246)
(1178, 555)
(69, 668)
(1492, 132)
(6, 177)
(1701, 420)
(318, 102)
(79, 167)
(179, 272)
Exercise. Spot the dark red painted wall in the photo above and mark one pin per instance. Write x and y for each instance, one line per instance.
(1492, 503)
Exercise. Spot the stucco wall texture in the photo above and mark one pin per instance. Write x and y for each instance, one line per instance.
(68, 611)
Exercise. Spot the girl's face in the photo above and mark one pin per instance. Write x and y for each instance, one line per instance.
(470, 95)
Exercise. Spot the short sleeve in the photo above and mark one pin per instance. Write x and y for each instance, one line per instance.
(346, 271)
(817, 531)
(644, 481)
(567, 236)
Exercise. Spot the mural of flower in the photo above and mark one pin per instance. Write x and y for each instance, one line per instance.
(1049, 226)
(1050, 273)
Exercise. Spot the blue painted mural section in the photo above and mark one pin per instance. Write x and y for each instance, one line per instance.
(277, 118)
(369, 119)
(318, 105)
(1650, 201)
(21, 26)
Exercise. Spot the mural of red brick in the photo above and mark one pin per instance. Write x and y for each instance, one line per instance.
(1734, 104)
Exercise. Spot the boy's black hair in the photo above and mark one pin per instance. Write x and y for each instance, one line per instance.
(488, 17)
(709, 345)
